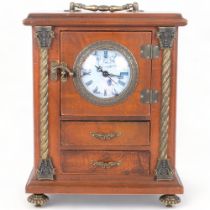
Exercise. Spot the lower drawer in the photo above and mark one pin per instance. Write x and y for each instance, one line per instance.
(105, 162)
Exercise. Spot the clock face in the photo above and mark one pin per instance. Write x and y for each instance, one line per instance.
(106, 73)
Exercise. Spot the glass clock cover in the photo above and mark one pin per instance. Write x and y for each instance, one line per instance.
(106, 72)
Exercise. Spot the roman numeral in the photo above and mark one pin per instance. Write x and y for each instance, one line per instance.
(85, 72)
(105, 93)
(122, 74)
(115, 93)
(105, 54)
(89, 82)
(121, 82)
(109, 82)
(96, 90)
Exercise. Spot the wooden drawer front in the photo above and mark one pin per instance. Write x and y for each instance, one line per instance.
(105, 162)
(103, 134)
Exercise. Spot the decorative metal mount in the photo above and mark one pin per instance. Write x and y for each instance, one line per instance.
(105, 136)
(38, 199)
(75, 7)
(102, 164)
(170, 200)
(149, 96)
(150, 51)
(45, 170)
(166, 36)
(44, 35)
(164, 170)
(65, 71)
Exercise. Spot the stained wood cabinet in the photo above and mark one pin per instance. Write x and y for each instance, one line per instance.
(124, 146)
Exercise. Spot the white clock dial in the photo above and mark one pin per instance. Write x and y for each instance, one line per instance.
(105, 73)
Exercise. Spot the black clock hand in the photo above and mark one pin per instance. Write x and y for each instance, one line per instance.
(114, 75)
(99, 69)
(105, 73)
(112, 79)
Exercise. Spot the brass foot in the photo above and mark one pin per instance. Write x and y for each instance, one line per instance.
(38, 199)
(169, 200)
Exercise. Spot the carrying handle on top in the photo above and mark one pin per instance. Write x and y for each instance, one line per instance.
(74, 7)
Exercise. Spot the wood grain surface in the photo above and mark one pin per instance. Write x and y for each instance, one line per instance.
(81, 162)
(80, 134)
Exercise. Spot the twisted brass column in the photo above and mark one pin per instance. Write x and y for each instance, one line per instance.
(166, 36)
(43, 103)
(44, 36)
(166, 89)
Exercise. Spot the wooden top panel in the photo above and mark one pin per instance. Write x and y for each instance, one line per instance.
(106, 19)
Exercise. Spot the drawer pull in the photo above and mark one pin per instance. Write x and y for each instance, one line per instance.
(105, 164)
(105, 136)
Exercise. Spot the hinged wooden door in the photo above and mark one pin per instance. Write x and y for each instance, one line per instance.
(73, 104)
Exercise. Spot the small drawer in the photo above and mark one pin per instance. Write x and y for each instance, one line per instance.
(104, 134)
(105, 162)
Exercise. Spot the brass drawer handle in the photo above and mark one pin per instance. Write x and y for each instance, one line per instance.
(75, 7)
(102, 164)
(105, 136)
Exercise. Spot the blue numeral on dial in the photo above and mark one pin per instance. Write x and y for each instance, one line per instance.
(121, 83)
(105, 54)
(89, 82)
(96, 90)
(115, 93)
(109, 82)
(122, 74)
(105, 93)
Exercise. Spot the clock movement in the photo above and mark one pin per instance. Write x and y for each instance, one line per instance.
(104, 102)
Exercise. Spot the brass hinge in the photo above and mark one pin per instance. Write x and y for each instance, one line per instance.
(149, 96)
(150, 51)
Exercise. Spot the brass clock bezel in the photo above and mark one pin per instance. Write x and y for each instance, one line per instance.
(109, 45)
